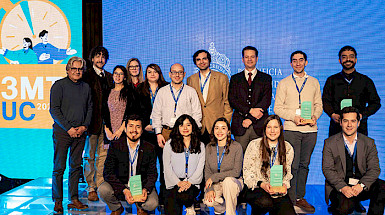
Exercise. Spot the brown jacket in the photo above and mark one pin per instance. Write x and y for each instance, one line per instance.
(97, 93)
(217, 105)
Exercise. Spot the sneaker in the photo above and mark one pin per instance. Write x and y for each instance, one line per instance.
(190, 211)
(304, 205)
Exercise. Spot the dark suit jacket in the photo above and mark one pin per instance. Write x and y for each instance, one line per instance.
(260, 98)
(98, 95)
(117, 165)
(217, 104)
(334, 162)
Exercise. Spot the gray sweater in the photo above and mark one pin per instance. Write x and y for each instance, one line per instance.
(70, 104)
(231, 165)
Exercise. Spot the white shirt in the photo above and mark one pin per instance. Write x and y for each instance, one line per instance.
(350, 146)
(132, 154)
(98, 71)
(296, 76)
(206, 88)
(164, 104)
(253, 74)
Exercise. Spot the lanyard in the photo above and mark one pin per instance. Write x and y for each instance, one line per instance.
(177, 98)
(275, 152)
(187, 155)
(204, 84)
(299, 90)
(153, 95)
(219, 161)
(352, 156)
(347, 80)
(132, 161)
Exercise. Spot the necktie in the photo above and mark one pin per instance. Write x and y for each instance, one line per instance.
(102, 74)
(249, 79)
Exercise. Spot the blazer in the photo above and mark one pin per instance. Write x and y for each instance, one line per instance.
(334, 162)
(145, 103)
(217, 104)
(261, 91)
(98, 94)
(117, 165)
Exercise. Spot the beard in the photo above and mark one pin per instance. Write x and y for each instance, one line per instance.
(348, 67)
(131, 138)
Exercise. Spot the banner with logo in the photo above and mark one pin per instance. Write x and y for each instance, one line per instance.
(37, 37)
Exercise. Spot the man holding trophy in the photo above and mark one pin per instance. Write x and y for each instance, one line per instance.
(130, 171)
(298, 101)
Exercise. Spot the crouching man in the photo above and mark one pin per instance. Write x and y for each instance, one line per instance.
(129, 156)
(351, 168)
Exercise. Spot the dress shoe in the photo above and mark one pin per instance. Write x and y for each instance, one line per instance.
(303, 204)
(359, 208)
(119, 211)
(140, 211)
(58, 207)
(93, 196)
(76, 204)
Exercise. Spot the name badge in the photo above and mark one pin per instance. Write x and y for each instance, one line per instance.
(353, 181)
(298, 111)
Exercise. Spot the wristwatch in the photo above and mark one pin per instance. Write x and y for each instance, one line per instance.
(363, 186)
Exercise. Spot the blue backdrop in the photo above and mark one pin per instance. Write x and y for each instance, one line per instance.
(166, 32)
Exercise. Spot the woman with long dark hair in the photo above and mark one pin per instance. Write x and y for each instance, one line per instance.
(223, 167)
(135, 72)
(262, 154)
(120, 103)
(153, 81)
(183, 160)
(148, 90)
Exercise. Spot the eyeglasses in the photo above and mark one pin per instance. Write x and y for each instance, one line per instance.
(133, 67)
(118, 74)
(74, 69)
(177, 72)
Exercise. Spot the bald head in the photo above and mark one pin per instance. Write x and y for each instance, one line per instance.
(177, 73)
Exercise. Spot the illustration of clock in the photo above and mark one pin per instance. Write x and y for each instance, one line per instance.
(27, 18)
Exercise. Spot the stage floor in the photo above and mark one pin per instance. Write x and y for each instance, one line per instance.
(34, 198)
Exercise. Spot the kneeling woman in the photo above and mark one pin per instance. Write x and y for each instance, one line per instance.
(261, 154)
(183, 161)
(224, 158)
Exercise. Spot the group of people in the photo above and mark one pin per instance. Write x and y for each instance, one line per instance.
(126, 121)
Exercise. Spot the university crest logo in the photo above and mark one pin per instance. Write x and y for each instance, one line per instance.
(219, 62)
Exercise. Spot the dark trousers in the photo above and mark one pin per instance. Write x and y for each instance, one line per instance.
(204, 138)
(340, 204)
(151, 138)
(61, 143)
(174, 200)
(303, 145)
(261, 202)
